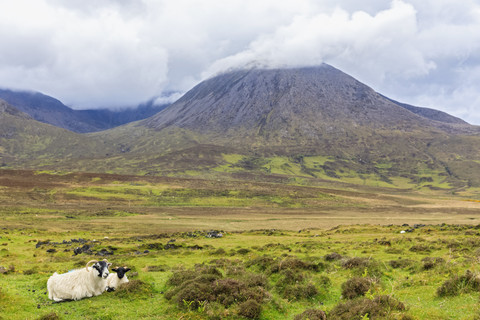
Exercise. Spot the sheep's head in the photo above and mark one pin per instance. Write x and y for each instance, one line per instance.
(101, 267)
(121, 271)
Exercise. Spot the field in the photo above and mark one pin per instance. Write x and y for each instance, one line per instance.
(208, 249)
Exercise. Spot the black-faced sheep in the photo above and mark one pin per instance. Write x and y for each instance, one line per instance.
(80, 283)
(114, 280)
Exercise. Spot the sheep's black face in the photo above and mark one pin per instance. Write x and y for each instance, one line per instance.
(121, 271)
(102, 268)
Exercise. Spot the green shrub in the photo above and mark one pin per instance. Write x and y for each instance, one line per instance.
(134, 289)
(262, 263)
(356, 287)
(250, 309)
(432, 262)
(219, 252)
(311, 314)
(459, 284)
(362, 266)
(50, 316)
(401, 263)
(332, 256)
(299, 291)
(381, 307)
(193, 291)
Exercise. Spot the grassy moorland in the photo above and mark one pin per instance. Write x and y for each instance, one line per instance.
(287, 251)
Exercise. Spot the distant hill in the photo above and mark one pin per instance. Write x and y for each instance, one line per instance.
(26, 142)
(312, 124)
(52, 111)
(429, 113)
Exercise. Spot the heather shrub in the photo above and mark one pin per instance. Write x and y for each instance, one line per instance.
(460, 284)
(381, 307)
(356, 287)
(311, 314)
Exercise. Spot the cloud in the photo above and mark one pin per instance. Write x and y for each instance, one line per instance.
(122, 52)
(381, 43)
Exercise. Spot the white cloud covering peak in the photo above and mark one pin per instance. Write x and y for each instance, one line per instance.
(122, 52)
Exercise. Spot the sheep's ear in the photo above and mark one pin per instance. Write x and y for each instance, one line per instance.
(127, 269)
(114, 269)
(108, 265)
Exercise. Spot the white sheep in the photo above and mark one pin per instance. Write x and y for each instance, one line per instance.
(80, 283)
(114, 280)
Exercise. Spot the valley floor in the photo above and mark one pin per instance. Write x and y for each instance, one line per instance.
(249, 249)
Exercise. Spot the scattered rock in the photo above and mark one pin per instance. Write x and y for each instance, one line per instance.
(41, 243)
(104, 252)
(171, 246)
(84, 249)
(214, 234)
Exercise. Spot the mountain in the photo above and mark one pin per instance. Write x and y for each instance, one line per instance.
(430, 113)
(303, 113)
(52, 111)
(314, 123)
(26, 142)
(316, 107)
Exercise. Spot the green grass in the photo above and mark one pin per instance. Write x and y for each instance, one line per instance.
(23, 289)
(266, 226)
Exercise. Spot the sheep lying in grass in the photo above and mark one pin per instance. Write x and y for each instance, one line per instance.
(80, 283)
(114, 280)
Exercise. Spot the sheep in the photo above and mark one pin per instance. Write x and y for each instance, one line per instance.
(80, 283)
(115, 280)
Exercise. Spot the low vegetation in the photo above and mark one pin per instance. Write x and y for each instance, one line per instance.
(220, 262)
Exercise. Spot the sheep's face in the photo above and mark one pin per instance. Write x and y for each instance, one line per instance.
(101, 268)
(121, 271)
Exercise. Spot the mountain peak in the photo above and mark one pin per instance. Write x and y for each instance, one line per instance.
(309, 100)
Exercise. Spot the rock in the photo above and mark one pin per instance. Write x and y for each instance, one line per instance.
(214, 234)
(85, 249)
(41, 243)
(104, 252)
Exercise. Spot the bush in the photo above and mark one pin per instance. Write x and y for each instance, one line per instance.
(401, 263)
(293, 264)
(356, 262)
(219, 252)
(193, 294)
(50, 316)
(134, 289)
(299, 291)
(243, 251)
(193, 291)
(255, 280)
(356, 287)
(332, 256)
(361, 265)
(431, 262)
(381, 307)
(263, 263)
(311, 314)
(420, 248)
(289, 277)
(228, 291)
(459, 284)
(250, 309)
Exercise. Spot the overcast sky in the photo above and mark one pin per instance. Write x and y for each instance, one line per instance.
(110, 53)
